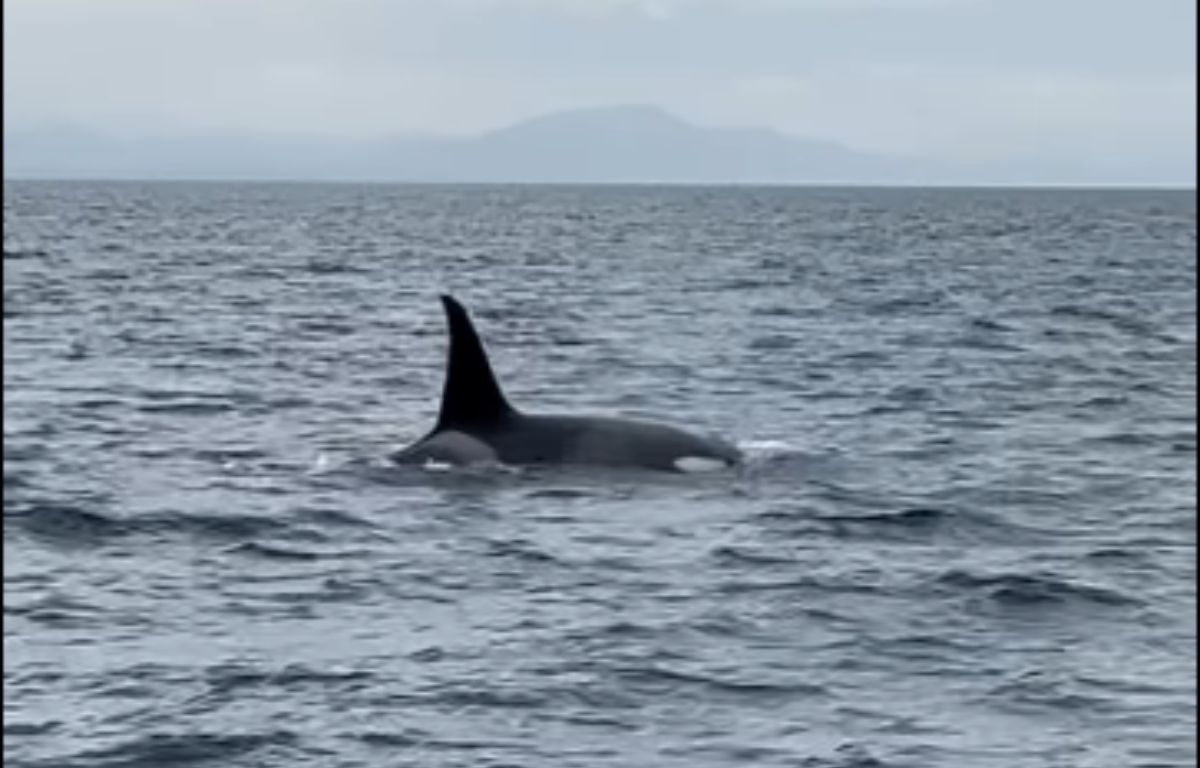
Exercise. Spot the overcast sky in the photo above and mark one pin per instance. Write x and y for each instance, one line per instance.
(968, 79)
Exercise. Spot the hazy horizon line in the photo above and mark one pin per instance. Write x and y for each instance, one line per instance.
(949, 186)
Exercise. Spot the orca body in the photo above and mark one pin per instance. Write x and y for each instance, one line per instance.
(477, 425)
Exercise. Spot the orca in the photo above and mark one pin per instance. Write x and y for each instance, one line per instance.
(477, 425)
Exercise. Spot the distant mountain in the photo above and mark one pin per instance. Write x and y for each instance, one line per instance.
(614, 144)
(647, 144)
(619, 144)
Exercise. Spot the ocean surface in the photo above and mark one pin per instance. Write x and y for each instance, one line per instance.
(964, 535)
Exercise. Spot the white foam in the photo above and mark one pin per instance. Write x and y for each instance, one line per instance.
(322, 464)
(692, 464)
(766, 446)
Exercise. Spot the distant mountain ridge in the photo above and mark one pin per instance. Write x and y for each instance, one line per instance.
(614, 144)
(635, 144)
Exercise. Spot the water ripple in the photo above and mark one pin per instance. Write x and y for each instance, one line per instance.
(964, 535)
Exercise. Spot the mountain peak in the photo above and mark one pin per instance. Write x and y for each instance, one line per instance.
(627, 118)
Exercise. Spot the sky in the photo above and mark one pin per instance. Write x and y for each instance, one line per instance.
(976, 80)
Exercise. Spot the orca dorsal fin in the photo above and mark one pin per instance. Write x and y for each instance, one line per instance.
(471, 396)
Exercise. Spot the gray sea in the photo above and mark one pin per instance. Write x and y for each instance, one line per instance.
(964, 535)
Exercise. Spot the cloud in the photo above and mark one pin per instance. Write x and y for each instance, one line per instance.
(977, 115)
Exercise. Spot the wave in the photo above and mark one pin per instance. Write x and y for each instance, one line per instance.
(916, 524)
(159, 749)
(660, 679)
(1031, 590)
(64, 524)
(69, 525)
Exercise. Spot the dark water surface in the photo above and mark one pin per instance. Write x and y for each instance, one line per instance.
(965, 536)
